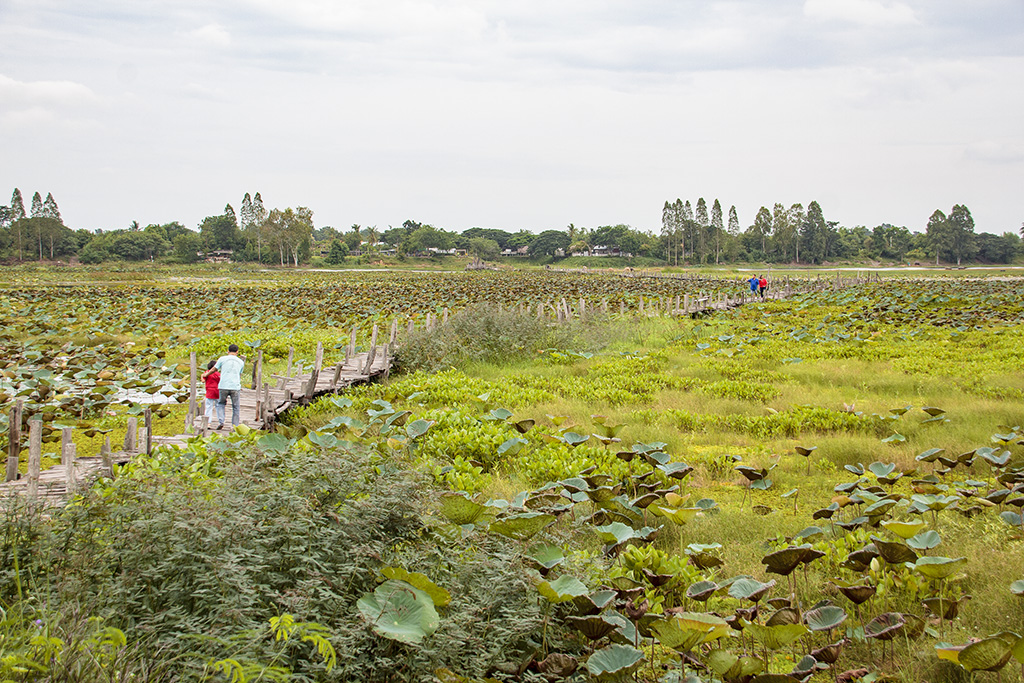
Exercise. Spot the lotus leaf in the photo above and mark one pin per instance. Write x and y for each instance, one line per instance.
(944, 607)
(857, 594)
(885, 626)
(784, 561)
(926, 540)
(881, 470)
(679, 515)
(701, 591)
(904, 530)
(893, 553)
(896, 437)
(1017, 587)
(594, 626)
(938, 567)
(398, 611)
(438, 595)
(783, 616)
(685, 631)
(829, 653)
(275, 443)
(933, 411)
(749, 589)
(459, 509)
(546, 557)
(522, 526)
(825, 618)
(731, 667)
(614, 661)
(775, 637)
(562, 589)
(675, 470)
(988, 654)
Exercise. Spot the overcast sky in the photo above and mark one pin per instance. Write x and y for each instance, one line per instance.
(521, 114)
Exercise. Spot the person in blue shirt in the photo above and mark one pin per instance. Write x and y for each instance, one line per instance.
(754, 282)
(230, 386)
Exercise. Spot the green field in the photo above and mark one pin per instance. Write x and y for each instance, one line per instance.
(618, 497)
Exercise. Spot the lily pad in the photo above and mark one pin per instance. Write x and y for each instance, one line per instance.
(398, 611)
(562, 589)
(614, 661)
(938, 567)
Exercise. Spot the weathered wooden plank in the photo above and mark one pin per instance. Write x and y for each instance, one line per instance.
(14, 441)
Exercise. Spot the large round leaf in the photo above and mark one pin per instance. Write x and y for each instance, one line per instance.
(461, 510)
(988, 654)
(885, 626)
(775, 637)
(731, 667)
(439, 595)
(522, 526)
(749, 589)
(825, 618)
(562, 589)
(938, 567)
(904, 530)
(687, 630)
(399, 611)
(614, 661)
(926, 540)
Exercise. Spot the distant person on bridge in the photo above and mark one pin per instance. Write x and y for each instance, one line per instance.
(762, 286)
(753, 284)
(230, 367)
(212, 379)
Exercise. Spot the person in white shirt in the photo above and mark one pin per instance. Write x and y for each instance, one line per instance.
(230, 368)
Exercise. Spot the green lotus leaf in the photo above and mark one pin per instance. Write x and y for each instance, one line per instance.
(749, 589)
(679, 515)
(438, 595)
(418, 428)
(461, 510)
(626, 632)
(562, 589)
(685, 631)
(512, 446)
(546, 557)
(893, 553)
(399, 611)
(675, 470)
(894, 438)
(614, 661)
(825, 618)
(322, 440)
(522, 526)
(904, 530)
(275, 443)
(1017, 587)
(775, 637)
(989, 654)
(701, 591)
(784, 561)
(930, 455)
(731, 667)
(784, 615)
(574, 439)
(805, 451)
(881, 470)
(593, 626)
(938, 567)
(885, 626)
(926, 540)
(1012, 518)
(933, 411)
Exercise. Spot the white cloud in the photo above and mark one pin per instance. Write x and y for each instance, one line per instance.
(16, 94)
(214, 35)
(862, 12)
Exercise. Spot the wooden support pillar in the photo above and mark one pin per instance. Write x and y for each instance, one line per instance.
(445, 316)
(193, 406)
(352, 342)
(291, 357)
(35, 456)
(148, 418)
(686, 303)
(337, 375)
(265, 417)
(583, 308)
(66, 445)
(394, 332)
(258, 370)
(373, 351)
(105, 456)
(641, 305)
(622, 307)
(70, 473)
(14, 441)
(204, 425)
(131, 436)
(412, 326)
(315, 374)
(604, 306)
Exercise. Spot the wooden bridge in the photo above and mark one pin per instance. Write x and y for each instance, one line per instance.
(266, 398)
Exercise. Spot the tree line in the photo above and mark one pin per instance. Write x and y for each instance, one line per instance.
(691, 234)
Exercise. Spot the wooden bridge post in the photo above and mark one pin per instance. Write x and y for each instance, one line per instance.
(70, 473)
(411, 328)
(641, 304)
(291, 356)
(35, 455)
(315, 374)
(445, 316)
(148, 421)
(105, 457)
(266, 404)
(337, 375)
(352, 342)
(67, 456)
(686, 303)
(132, 435)
(258, 374)
(192, 372)
(373, 351)
(583, 308)
(14, 439)
(622, 307)
(394, 332)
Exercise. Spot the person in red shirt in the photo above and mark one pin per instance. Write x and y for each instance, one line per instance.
(211, 377)
(762, 286)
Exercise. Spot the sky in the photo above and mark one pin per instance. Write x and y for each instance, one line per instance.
(524, 114)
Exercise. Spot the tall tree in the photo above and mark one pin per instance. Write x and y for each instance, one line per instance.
(679, 227)
(717, 229)
(668, 224)
(938, 234)
(17, 206)
(37, 206)
(701, 218)
(245, 218)
(229, 211)
(796, 216)
(782, 232)
(961, 229)
(50, 209)
(734, 222)
(762, 228)
(259, 218)
(813, 233)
